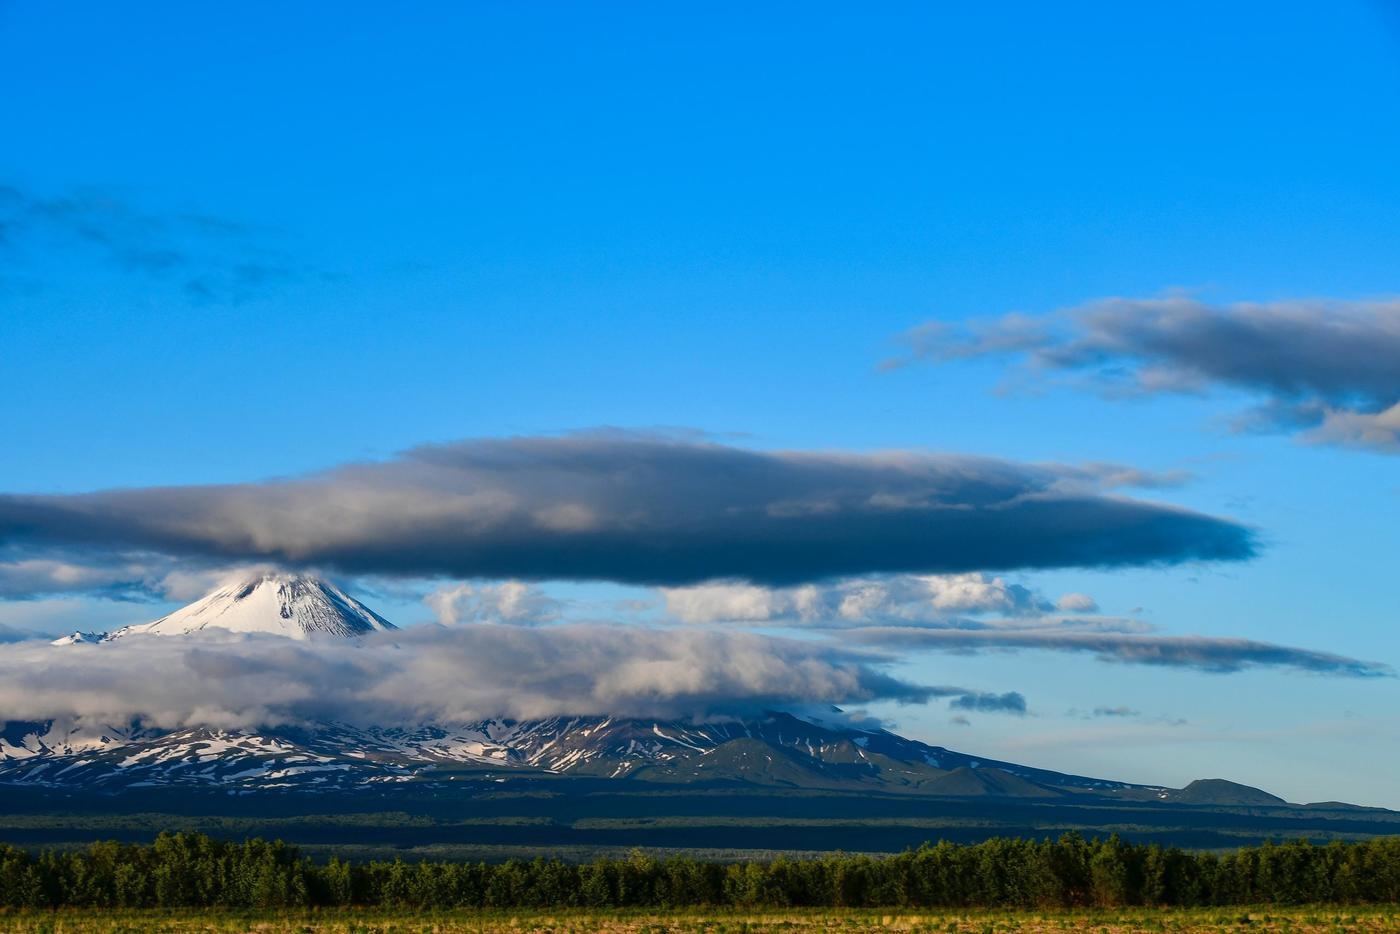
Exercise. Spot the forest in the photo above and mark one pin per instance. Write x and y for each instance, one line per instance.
(192, 870)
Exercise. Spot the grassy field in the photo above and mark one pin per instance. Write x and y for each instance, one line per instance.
(826, 921)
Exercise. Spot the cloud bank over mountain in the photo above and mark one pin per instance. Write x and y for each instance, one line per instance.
(439, 674)
(643, 510)
(1326, 369)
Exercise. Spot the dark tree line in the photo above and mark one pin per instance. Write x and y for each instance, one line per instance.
(193, 870)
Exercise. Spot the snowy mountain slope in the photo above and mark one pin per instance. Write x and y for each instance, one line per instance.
(289, 605)
(773, 749)
(674, 750)
(21, 740)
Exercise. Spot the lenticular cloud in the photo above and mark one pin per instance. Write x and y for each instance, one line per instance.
(642, 510)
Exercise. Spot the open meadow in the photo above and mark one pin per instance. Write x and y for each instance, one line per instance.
(342, 921)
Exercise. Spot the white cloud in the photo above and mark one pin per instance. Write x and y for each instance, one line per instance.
(504, 602)
(1077, 603)
(914, 598)
(707, 603)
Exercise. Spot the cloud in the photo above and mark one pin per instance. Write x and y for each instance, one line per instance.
(1326, 369)
(1077, 603)
(10, 634)
(1376, 431)
(1116, 712)
(437, 674)
(1010, 702)
(32, 574)
(739, 602)
(504, 602)
(31, 578)
(1202, 653)
(29, 573)
(928, 599)
(642, 510)
(207, 258)
(1124, 713)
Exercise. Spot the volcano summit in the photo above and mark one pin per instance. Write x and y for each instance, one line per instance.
(295, 606)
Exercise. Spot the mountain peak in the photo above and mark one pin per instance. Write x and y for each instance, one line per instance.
(78, 637)
(292, 605)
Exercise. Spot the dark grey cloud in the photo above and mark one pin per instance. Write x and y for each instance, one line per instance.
(1011, 702)
(208, 258)
(438, 674)
(1328, 369)
(642, 510)
(1202, 653)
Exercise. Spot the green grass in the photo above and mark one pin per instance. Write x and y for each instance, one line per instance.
(826, 921)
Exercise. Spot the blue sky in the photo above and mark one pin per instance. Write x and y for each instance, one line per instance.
(482, 221)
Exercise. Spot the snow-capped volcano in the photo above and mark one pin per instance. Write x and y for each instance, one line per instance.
(289, 605)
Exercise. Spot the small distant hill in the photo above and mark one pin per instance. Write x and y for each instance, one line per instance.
(1220, 791)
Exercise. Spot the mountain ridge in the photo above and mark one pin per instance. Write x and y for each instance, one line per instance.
(776, 750)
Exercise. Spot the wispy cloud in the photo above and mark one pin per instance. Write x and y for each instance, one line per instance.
(10, 634)
(1203, 653)
(1326, 369)
(642, 510)
(28, 573)
(207, 258)
(1116, 712)
(1123, 712)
